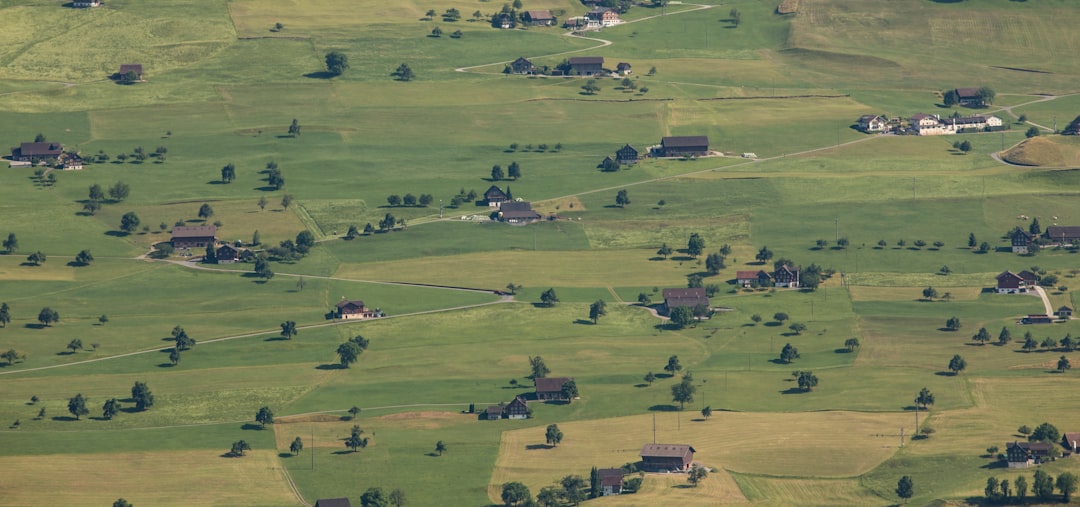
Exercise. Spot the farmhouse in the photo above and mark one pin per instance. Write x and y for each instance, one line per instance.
(550, 388)
(1025, 454)
(1037, 319)
(927, 124)
(332, 502)
(518, 212)
(521, 66)
(1031, 279)
(786, 276)
(1020, 239)
(759, 278)
(517, 409)
(72, 161)
(684, 145)
(193, 237)
(131, 67)
(1011, 283)
(539, 18)
(623, 68)
(970, 97)
(504, 21)
(690, 298)
(1063, 234)
(36, 152)
(1065, 312)
(610, 481)
(603, 16)
(346, 310)
(873, 123)
(666, 457)
(1070, 439)
(973, 123)
(82, 4)
(586, 65)
(494, 197)
(493, 413)
(626, 155)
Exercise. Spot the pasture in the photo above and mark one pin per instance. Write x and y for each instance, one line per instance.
(222, 85)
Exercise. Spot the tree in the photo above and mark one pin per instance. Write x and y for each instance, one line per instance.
(264, 416)
(1045, 432)
(982, 336)
(548, 298)
(294, 129)
(10, 355)
(5, 314)
(570, 390)
(780, 317)
(735, 17)
(183, 341)
(797, 328)
(348, 353)
(47, 316)
(755, 318)
(965, 146)
(129, 222)
(695, 245)
(11, 243)
(74, 345)
(77, 406)
(650, 377)
(991, 489)
(142, 396)
(174, 356)
(590, 87)
(397, 498)
(228, 173)
(683, 392)
(930, 293)
(622, 198)
(205, 211)
(496, 173)
(1066, 484)
(706, 412)
(851, 344)
(1063, 364)
(1021, 488)
(387, 223)
(288, 329)
(120, 502)
(403, 73)
(36, 258)
(1032, 132)
(987, 94)
(924, 398)
(515, 493)
(806, 379)
(597, 309)
(673, 366)
(957, 364)
(951, 98)
(537, 367)
(682, 316)
(1004, 336)
(440, 447)
(336, 63)
(84, 258)
(1029, 342)
(513, 171)
(1043, 485)
(697, 474)
(91, 207)
(664, 251)
(353, 411)
(286, 200)
(238, 448)
(354, 441)
(296, 446)
(96, 193)
(553, 435)
(119, 191)
(905, 488)
(953, 324)
(426, 200)
(789, 353)
(714, 262)
(110, 409)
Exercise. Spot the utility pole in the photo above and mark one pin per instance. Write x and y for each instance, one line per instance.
(837, 220)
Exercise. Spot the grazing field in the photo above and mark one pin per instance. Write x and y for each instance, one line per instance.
(882, 217)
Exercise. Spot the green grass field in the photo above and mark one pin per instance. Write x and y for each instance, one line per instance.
(221, 86)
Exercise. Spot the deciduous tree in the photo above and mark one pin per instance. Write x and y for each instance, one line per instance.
(553, 435)
(957, 364)
(682, 316)
(537, 367)
(548, 298)
(515, 493)
(296, 446)
(596, 310)
(336, 63)
(264, 416)
(288, 329)
(77, 406)
(228, 173)
(47, 316)
(142, 396)
(683, 392)
(110, 409)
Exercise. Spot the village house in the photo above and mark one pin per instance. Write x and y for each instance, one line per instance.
(36, 152)
(933, 125)
(667, 457)
(969, 97)
(1011, 283)
(518, 212)
(227, 254)
(623, 68)
(927, 124)
(678, 146)
(603, 17)
(494, 197)
(1020, 239)
(586, 65)
(1031, 279)
(1062, 234)
(576, 22)
(503, 20)
(759, 278)
(517, 409)
(626, 155)
(1025, 454)
(1065, 312)
(690, 298)
(610, 481)
(71, 161)
(521, 66)
(1070, 439)
(193, 236)
(873, 123)
(493, 413)
(347, 310)
(539, 18)
(786, 276)
(550, 388)
(131, 67)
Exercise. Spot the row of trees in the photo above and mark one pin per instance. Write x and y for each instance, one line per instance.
(140, 395)
(1042, 488)
(96, 196)
(542, 147)
(410, 200)
(513, 172)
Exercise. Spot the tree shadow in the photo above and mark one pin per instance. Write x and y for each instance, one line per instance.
(275, 338)
(63, 418)
(165, 365)
(252, 427)
(322, 74)
(330, 366)
(944, 374)
(664, 407)
(34, 326)
(641, 385)
(842, 350)
(117, 234)
(583, 322)
(346, 451)
(794, 390)
(284, 455)
(534, 447)
(773, 324)
(432, 454)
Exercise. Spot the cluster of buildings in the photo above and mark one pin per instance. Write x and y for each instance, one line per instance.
(599, 17)
(931, 124)
(1021, 283)
(509, 210)
(1026, 454)
(1054, 235)
(45, 153)
(576, 66)
(784, 276)
(547, 389)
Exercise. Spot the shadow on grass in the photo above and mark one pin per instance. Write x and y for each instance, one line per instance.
(322, 74)
(165, 365)
(63, 418)
(641, 385)
(843, 351)
(534, 447)
(251, 427)
(117, 234)
(794, 390)
(432, 454)
(34, 326)
(330, 366)
(286, 455)
(346, 451)
(275, 338)
(944, 374)
(663, 407)
(583, 322)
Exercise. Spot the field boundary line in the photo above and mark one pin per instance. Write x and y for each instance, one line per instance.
(292, 485)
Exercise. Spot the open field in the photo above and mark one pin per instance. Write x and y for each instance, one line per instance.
(221, 87)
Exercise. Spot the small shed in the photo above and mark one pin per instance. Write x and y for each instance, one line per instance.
(1065, 312)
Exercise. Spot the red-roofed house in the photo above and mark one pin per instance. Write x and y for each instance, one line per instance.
(610, 481)
(666, 457)
(347, 310)
(759, 278)
(550, 388)
(1011, 283)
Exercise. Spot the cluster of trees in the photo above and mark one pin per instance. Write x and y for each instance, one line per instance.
(349, 352)
(290, 250)
(262, 268)
(542, 147)
(806, 379)
(96, 198)
(140, 394)
(930, 293)
(1042, 488)
(915, 245)
(437, 32)
(375, 497)
(354, 232)
(183, 342)
(513, 172)
(463, 197)
(403, 73)
(238, 448)
(409, 200)
(273, 174)
(336, 63)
